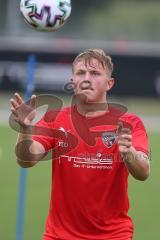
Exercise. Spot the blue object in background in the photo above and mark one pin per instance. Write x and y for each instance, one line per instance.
(23, 172)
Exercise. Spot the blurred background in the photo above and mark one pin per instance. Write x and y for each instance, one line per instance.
(129, 31)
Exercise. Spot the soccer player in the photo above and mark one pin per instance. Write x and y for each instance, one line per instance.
(95, 147)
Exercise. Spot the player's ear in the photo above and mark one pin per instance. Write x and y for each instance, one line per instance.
(110, 84)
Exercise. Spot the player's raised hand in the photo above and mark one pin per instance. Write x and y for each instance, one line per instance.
(24, 113)
(124, 138)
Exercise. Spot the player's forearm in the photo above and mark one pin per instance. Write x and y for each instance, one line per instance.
(137, 164)
(28, 152)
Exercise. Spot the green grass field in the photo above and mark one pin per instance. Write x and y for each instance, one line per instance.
(144, 196)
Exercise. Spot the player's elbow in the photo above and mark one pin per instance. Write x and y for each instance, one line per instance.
(24, 164)
(144, 174)
(143, 178)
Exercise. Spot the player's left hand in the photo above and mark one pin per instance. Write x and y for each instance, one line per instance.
(124, 139)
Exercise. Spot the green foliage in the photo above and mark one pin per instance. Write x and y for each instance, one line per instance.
(130, 20)
(3, 12)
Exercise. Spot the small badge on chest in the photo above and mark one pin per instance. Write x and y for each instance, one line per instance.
(108, 139)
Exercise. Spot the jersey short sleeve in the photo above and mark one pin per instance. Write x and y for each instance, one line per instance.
(139, 136)
(43, 131)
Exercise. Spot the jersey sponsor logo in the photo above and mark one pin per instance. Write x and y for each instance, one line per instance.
(88, 160)
(64, 130)
(108, 139)
(63, 144)
(93, 160)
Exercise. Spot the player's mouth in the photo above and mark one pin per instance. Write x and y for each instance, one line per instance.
(86, 89)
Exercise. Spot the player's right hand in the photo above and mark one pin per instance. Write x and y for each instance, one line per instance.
(23, 113)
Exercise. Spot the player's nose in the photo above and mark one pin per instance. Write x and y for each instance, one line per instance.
(87, 76)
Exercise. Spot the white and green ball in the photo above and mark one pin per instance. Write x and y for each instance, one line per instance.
(46, 15)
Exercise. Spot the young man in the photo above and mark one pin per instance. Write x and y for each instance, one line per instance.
(95, 147)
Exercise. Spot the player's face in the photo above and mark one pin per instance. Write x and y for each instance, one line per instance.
(92, 81)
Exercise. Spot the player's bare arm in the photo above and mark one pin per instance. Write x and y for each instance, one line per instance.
(24, 117)
(137, 162)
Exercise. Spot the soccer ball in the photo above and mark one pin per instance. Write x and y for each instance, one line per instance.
(45, 15)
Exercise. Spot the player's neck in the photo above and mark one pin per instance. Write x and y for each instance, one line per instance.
(92, 109)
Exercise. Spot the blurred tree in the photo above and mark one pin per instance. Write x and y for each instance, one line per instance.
(81, 9)
(125, 19)
(2, 16)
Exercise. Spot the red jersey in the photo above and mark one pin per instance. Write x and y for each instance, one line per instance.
(89, 198)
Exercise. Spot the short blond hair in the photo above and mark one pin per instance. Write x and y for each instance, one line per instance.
(96, 53)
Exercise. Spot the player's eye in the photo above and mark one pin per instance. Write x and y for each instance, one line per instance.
(95, 73)
(79, 73)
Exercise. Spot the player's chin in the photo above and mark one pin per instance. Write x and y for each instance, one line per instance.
(87, 95)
